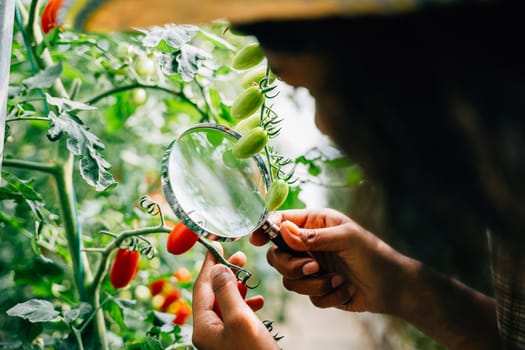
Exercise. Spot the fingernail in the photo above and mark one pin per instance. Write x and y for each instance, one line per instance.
(310, 268)
(336, 281)
(291, 227)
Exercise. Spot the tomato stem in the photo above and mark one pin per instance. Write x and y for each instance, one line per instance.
(116, 90)
(241, 273)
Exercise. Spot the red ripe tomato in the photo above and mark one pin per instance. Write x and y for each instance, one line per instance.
(172, 295)
(50, 15)
(243, 290)
(181, 239)
(157, 286)
(124, 267)
(182, 311)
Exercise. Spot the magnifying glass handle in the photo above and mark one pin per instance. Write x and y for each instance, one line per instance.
(273, 232)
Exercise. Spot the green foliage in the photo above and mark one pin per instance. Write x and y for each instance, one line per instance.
(81, 150)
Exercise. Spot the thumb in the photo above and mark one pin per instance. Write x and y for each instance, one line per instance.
(224, 286)
(328, 239)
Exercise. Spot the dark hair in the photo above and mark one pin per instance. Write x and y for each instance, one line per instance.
(438, 97)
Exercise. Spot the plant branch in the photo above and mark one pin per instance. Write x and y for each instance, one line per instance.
(240, 272)
(103, 264)
(48, 168)
(116, 90)
(42, 119)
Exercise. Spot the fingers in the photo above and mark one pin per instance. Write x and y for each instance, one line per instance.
(259, 238)
(291, 266)
(328, 239)
(313, 218)
(313, 286)
(206, 322)
(339, 297)
(238, 258)
(224, 285)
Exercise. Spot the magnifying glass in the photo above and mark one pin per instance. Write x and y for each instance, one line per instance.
(216, 195)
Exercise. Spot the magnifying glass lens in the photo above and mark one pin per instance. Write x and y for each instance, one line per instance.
(211, 191)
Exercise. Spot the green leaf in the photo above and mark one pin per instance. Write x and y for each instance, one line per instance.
(83, 143)
(82, 310)
(45, 78)
(35, 310)
(152, 343)
(175, 36)
(216, 40)
(14, 222)
(65, 105)
(124, 303)
(314, 169)
(16, 188)
(116, 313)
(188, 60)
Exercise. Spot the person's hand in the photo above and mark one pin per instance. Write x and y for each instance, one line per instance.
(349, 268)
(239, 327)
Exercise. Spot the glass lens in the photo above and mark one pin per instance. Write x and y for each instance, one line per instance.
(211, 191)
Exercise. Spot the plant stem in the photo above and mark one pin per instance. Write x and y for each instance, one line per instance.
(64, 181)
(240, 272)
(40, 119)
(116, 90)
(48, 168)
(78, 338)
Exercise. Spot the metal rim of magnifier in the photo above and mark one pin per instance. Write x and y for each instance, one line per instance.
(171, 196)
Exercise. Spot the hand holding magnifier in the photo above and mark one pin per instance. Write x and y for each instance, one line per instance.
(215, 194)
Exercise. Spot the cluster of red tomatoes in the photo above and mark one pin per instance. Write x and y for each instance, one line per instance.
(167, 296)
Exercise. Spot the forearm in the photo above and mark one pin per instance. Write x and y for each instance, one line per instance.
(454, 315)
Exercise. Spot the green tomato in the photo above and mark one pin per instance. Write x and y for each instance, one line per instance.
(139, 96)
(247, 103)
(248, 57)
(144, 66)
(250, 143)
(249, 123)
(254, 77)
(276, 194)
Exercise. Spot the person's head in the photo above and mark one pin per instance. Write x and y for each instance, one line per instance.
(431, 103)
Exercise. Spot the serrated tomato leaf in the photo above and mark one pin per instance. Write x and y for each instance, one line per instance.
(35, 310)
(173, 35)
(65, 105)
(45, 78)
(81, 142)
(79, 312)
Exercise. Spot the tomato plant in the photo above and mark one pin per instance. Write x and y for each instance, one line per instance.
(88, 117)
